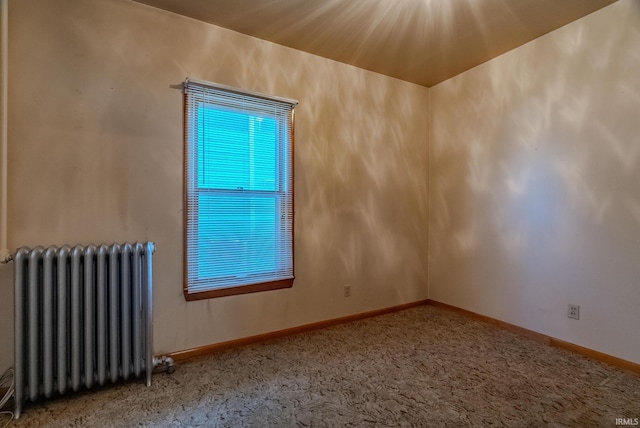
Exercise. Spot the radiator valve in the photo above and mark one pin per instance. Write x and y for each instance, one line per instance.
(166, 362)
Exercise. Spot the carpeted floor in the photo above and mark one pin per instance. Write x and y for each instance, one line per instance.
(423, 367)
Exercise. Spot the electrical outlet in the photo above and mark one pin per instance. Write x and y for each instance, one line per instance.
(347, 290)
(574, 312)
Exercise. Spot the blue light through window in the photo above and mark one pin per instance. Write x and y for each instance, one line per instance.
(239, 191)
(238, 154)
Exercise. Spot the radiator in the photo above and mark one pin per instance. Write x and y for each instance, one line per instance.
(83, 317)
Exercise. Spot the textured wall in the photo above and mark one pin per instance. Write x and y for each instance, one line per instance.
(535, 201)
(96, 155)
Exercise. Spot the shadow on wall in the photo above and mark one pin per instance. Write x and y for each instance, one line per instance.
(553, 141)
(536, 155)
(361, 184)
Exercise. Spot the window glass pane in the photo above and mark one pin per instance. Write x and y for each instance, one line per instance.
(237, 151)
(241, 241)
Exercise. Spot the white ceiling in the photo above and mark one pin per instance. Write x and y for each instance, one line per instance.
(420, 41)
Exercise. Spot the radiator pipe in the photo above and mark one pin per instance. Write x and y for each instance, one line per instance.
(5, 255)
(148, 295)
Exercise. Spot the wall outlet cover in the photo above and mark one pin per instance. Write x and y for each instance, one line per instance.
(347, 290)
(574, 312)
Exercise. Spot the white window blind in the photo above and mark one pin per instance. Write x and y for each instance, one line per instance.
(239, 188)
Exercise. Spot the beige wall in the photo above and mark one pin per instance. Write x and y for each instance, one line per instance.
(534, 184)
(96, 155)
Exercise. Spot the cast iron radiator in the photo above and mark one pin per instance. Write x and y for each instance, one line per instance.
(83, 317)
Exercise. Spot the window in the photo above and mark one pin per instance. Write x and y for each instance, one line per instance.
(239, 191)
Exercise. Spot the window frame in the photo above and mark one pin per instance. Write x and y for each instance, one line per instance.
(213, 292)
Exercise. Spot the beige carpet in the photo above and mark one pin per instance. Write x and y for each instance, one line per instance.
(423, 367)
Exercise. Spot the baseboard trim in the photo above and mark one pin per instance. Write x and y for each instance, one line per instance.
(539, 337)
(222, 346)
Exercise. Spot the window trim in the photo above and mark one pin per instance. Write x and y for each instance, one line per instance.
(237, 289)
